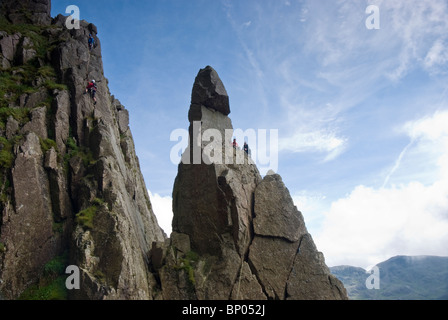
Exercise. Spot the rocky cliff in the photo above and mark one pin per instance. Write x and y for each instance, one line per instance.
(72, 193)
(71, 188)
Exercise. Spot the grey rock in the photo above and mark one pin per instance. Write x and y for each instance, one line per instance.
(12, 126)
(27, 230)
(38, 123)
(181, 242)
(27, 11)
(157, 255)
(272, 259)
(32, 100)
(209, 91)
(310, 278)
(213, 197)
(8, 48)
(51, 159)
(123, 120)
(247, 286)
(27, 52)
(275, 212)
(61, 105)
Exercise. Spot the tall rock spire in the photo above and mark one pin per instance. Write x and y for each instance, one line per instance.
(235, 235)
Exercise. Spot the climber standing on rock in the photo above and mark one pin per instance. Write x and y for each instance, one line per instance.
(235, 144)
(246, 147)
(91, 42)
(91, 88)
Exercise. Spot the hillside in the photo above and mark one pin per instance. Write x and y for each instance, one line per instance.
(401, 278)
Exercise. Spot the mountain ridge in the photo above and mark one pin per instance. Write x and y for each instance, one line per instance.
(402, 277)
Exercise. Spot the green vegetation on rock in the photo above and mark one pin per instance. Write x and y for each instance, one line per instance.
(86, 217)
(51, 284)
(187, 264)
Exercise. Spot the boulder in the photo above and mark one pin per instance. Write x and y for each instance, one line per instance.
(8, 48)
(209, 91)
(51, 159)
(38, 123)
(275, 212)
(26, 52)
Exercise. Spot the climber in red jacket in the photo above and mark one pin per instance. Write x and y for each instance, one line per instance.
(235, 144)
(91, 88)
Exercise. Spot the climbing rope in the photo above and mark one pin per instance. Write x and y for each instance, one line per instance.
(87, 74)
(88, 64)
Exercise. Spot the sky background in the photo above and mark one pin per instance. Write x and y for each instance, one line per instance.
(362, 114)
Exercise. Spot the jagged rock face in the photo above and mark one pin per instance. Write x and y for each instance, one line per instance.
(27, 11)
(70, 180)
(235, 235)
(70, 183)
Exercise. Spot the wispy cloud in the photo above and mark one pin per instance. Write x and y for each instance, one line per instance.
(437, 57)
(314, 141)
(397, 163)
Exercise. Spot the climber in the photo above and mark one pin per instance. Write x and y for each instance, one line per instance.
(91, 88)
(235, 144)
(246, 147)
(91, 42)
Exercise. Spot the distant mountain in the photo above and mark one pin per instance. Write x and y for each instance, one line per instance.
(401, 278)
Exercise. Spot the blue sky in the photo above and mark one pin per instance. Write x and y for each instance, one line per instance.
(361, 114)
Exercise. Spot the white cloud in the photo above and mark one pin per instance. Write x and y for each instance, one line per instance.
(434, 127)
(162, 207)
(314, 141)
(373, 224)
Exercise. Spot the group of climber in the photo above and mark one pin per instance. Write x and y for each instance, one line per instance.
(91, 86)
(245, 147)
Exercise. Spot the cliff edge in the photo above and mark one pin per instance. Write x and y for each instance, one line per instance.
(71, 188)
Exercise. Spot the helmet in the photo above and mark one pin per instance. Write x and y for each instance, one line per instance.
(93, 81)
